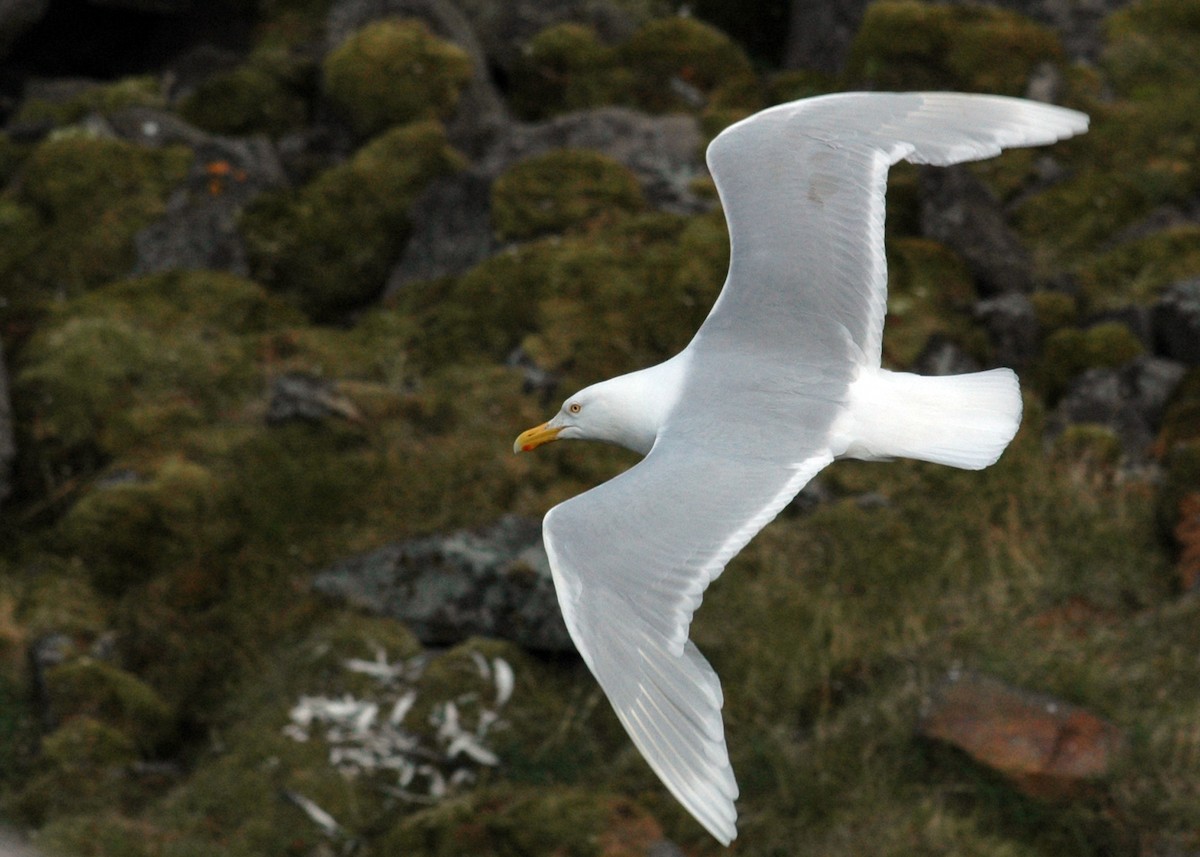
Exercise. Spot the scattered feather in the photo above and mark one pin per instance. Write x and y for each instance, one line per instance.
(318, 816)
(411, 764)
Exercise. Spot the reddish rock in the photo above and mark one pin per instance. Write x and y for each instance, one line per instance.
(1187, 532)
(1046, 747)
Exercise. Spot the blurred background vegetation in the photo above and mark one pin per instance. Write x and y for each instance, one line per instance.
(434, 220)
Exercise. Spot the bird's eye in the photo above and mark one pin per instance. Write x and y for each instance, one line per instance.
(574, 407)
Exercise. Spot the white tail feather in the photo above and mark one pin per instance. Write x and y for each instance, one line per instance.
(961, 420)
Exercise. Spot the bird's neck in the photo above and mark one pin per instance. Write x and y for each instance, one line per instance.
(641, 402)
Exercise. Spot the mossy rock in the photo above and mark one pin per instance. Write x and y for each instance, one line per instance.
(621, 298)
(684, 49)
(12, 154)
(393, 72)
(75, 210)
(144, 91)
(1054, 310)
(99, 692)
(58, 598)
(930, 292)
(1150, 48)
(1138, 270)
(1094, 446)
(1181, 466)
(1070, 351)
(502, 821)
(138, 363)
(1141, 152)
(1181, 420)
(330, 244)
(794, 84)
(82, 768)
(561, 190)
(564, 67)
(267, 94)
(129, 531)
(911, 45)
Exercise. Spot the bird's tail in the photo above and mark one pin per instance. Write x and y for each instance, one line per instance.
(960, 420)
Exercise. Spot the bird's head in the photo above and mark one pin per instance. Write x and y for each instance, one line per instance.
(610, 411)
(575, 420)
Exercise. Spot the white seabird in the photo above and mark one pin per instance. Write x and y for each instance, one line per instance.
(782, 378)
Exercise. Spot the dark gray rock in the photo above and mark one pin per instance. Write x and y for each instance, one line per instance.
(493, 582)
(300, 396)
(451, 230)
(1177, 322)
(1129, 400)
(820, 33)
(941, 356)
(199, 227)
(17, 16)
(537, 380)
(45, 653)
(8, 444)
(1012, 327)
(959, 211)
(663, 151)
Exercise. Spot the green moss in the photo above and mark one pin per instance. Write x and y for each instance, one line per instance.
(930, 292)
(331, 243)
(684, 49)
(392, 72)
(1069, 351)
(1138, 270)
(564, 67)
(267, 94)
(561, 190)
(906, 44)
(79, 202)
(100, 693)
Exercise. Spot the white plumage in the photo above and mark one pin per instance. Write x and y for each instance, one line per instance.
(783, 377)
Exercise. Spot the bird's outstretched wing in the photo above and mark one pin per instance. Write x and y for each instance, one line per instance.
(803, 187)
(631, 559)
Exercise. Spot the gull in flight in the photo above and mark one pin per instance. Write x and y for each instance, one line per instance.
(782, 378)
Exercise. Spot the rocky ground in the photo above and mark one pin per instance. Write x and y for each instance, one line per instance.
(281, 280)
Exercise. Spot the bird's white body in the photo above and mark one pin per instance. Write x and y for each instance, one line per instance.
(782, 378)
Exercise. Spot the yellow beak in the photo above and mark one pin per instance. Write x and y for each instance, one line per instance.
(535, 437)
